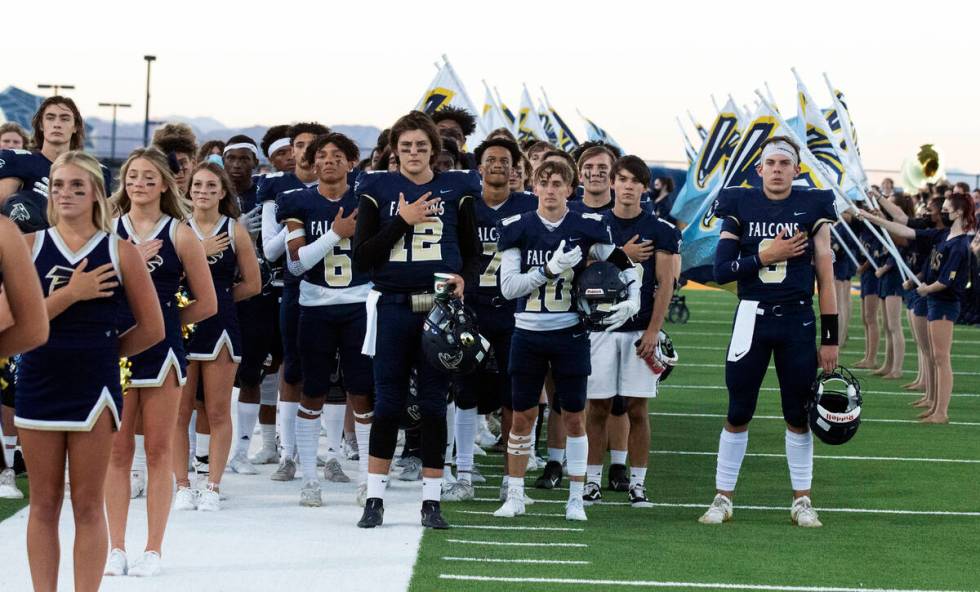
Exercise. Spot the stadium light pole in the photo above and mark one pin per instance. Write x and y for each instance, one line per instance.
(112, 151)
(146, 119)
(56, 87)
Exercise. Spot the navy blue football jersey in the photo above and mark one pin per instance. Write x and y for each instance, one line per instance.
(427, 248)
(665, 237)
(757, 220)
(272, 184)
(34, 167)
(487, 219)
(581, 207)
(316, 213)
(537, 242)
(248, 199)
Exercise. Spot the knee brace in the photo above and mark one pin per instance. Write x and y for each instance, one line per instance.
(434, 440)
(384, 436)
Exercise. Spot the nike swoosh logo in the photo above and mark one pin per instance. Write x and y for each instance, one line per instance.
(798, 213)
(808, 323)
(444, 191)
(741, 353)
(577, 335)
(573, 240)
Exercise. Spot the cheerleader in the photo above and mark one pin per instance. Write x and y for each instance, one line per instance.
(149, 206)
(890, 293)
(214, 348)
(69, 397)
(844, 270)
(869, 300)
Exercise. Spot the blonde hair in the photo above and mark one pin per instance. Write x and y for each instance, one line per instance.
(101, 210)
(171, 200)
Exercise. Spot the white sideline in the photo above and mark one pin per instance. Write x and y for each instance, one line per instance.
(510, 544)
(494, 527)
(481, 513)
(669, 584)
(911, 354)
(700, 365)
(720, 387)
(780, 417)
(535, 561)
(826, 456)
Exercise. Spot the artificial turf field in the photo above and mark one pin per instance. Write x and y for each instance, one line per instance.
(900, 503)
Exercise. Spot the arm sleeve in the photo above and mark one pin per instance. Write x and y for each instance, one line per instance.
(313, 253)
(372, 243)
(469, 240)
(273, 233)
(513, 283)
(729, 267)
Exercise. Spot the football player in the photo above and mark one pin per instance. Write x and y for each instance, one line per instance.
(332, 317)
(487, 390)
(620, 357)
(537, 270)
(411, 224)
(594, 168)
(775, 241)
(13, 137)
(456, 124)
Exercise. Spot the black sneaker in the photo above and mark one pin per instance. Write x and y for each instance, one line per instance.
(20, 467)
(551, 477)
(619, 479)
(592, 494)
(432, 516)
(374, 513)
(638, 497)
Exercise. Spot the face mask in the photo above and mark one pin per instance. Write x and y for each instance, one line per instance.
(947, 222)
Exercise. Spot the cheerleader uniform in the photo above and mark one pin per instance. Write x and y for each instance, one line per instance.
(221, 330)
(65, 384)
(950, 265)
(150, 367)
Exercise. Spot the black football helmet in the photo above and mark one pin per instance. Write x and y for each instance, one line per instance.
(28, 209)
(596, 289)
(835, 409)
(666, 355)
(451, 340)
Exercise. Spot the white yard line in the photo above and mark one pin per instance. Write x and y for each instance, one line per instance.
(721, 387)
(496, 527)
(516, 544)
(826, 457)
(703, 365)
(533, 561)
(481, 513)
(671, 584)
(780, 417)
(911, 354)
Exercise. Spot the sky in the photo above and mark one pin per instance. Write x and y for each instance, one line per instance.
(907, 71)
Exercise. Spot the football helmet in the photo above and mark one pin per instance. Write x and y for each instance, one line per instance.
(835, 408)
(596, 289)
(451, 340)
(664, 358)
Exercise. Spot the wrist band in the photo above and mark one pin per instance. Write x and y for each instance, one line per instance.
(828, 329)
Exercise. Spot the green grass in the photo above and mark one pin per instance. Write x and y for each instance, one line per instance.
(9, 507)
(859, 550)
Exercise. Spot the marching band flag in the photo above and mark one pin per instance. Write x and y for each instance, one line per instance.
(549, 128)
(708, 165)
(566, 139)
(597, 134)
(529, 124)
(842, 117)
(493, 117)
(446, 89)
(507, 112)
(689, 150)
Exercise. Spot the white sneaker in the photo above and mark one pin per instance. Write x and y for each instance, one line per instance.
(349, 448)
(361, 494)
(478, 451)
(448, 479)
(265, 456)
(803, 514)
(575, 509)
(485, 438)
(137, 484)
(209, 500)
(186, 498)
(333, 472)
(146, 566)
(116, 564)
(459, 491)
(239, 464)
(477, 476)
(8, 485)
(286, 471)
(310, 496)
(719, 511)
(514, 506)
(532, 463)
(528, 500)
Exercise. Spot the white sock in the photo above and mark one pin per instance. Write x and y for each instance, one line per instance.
(139, 454)
(575, 489)
(638, 475)
(593, 474)
(268, 435)
(576, 451)
(799, 457)
(617, 457)
(362, 432)
(431, 489)
(10, 445)
(376, 485)
(516, 484)
(731, 451)
(248, 414)
(556, 454)
(450, 431)
(465, 439)
(334, 420)
(287, 427)
(203, 447)
(307, 438)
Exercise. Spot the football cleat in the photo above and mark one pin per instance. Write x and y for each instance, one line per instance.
(310, 496)
(349, 449)
(477, 476)
(361, 496)
(239, 464)
(186, 498)
(619, 479)
(638, 497)
(286, 471)
(146, 566)
(209, 500)
(592, 494)
(719, 511)
(374, 513)
(803, 514)
(432, 516)
(137, 484)
(8, 485)
(459, 491)
(551, 477)
(575, 509)
(412, 471)
(116, 564)
(265, 456)
(201, 466)
(513, 505)
(333, 472)
(485, 438)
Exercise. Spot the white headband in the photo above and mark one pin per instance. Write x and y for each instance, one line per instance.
(244, 145)
(280, 143)
(780, 147)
